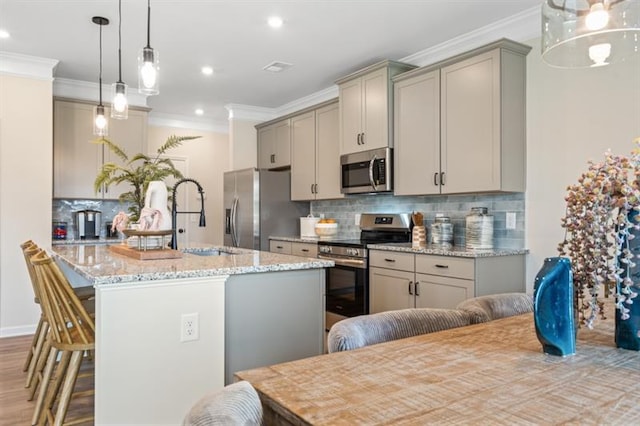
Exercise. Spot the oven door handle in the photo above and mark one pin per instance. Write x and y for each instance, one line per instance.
(353, 263)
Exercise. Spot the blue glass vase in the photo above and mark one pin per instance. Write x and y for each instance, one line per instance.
(553, 307)
(627, 333)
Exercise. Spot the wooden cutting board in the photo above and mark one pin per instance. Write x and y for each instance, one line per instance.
(151, 254)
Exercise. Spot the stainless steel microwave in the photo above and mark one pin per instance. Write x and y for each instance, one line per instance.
(367, 171)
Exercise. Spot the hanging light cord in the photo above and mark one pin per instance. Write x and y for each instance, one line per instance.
(120, 41)
(148, 24)
(100, 75)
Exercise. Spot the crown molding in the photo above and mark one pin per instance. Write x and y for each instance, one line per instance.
(313, 99)
(27, 66)
(158, 119)
(250, 112)
(88, 91)
(520, 27)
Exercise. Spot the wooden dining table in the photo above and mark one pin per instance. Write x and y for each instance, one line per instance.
(493, 373)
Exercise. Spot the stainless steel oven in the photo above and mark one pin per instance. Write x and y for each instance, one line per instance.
(347, 283)
(367, 171)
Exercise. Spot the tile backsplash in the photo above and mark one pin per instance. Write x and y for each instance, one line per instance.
(63, 210)
(455, 206)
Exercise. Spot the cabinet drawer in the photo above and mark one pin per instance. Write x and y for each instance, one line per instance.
(282, 247)
(445, 266)
(392, 260)
(304, 249)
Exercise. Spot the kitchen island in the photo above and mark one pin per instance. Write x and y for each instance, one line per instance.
(169, 331)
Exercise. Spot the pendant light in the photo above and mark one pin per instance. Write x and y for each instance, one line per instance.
(119, 104)
(100, 122)
(589, 33)
(148, 68)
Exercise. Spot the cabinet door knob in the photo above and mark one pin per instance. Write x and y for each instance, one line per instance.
(305, 250)
(442, 266)
(410, 288)
(358, 138)
(442, 178)
(389, 260)
(312, 188)
(417, 287)
(180, 231)
(435, 178)
(362, 139)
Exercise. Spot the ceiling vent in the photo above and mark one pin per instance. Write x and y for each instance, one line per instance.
(277, 66)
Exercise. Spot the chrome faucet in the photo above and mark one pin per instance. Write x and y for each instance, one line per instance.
(174, 210)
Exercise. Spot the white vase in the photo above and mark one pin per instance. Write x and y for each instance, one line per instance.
(156, 198)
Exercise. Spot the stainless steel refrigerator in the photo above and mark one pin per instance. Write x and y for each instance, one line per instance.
(257, 205)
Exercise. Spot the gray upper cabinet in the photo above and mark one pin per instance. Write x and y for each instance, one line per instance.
(76, 161)
(460, 124)
(366, 107)
(315, 163)
(274, 145)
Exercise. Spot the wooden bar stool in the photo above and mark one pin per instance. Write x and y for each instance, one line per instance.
(39, 349)
(71, 333)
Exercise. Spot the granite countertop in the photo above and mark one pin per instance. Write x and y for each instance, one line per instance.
(454, 251)
(89, 241)
(99, 265)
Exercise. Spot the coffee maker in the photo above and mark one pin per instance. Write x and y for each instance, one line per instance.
(88, 224)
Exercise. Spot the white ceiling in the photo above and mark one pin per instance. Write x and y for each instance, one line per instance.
(323, 39)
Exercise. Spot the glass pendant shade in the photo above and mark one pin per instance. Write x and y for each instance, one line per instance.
(100, 122)
(148, 72)
(582, 33)
(119, 104)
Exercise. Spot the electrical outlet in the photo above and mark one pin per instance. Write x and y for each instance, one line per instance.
(511, 220)
(189, 327)
(357, 219)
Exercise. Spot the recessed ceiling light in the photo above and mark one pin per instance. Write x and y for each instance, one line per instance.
(206, 70)
(4, 34)
(277, 66)
(275, 21)
(199, 111)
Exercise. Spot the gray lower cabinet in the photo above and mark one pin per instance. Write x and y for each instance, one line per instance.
(400, 280)
(293, 248)
(272, 318)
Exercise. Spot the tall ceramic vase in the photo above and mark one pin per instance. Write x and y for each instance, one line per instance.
(628, 330)
(156, 198)
(553, 310)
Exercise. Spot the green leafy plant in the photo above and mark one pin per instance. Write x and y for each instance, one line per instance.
(598, 229)
(138, 171)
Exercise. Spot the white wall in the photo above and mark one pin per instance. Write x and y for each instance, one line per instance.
(25, 192)
(208, 159)
(572, 116)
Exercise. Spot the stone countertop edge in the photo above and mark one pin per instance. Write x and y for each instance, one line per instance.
(452, 252)
(311, 240)
(100, 266)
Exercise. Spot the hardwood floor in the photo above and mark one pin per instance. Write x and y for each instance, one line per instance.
(14, 407)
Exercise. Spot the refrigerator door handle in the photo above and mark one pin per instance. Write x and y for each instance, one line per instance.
(234, 217)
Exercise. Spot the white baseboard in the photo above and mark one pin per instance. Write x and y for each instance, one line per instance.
(18, 331)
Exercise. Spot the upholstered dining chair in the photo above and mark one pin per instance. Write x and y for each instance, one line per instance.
(365, 330)
(496, 306)
(236, 404)
(71, 335)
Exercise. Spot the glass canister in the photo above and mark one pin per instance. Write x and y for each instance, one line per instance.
(479, 229)
(442, 231)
